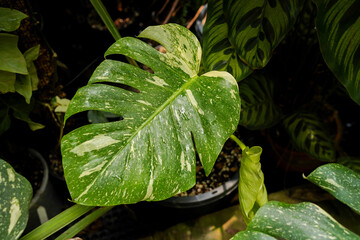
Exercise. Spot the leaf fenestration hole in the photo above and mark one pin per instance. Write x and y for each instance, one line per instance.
(120, 85)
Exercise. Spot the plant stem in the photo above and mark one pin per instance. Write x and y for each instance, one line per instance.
(105, 17)
(83, 223)
(240, 143)
(58, 222)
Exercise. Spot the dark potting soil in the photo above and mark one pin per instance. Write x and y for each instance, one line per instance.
(226, 165)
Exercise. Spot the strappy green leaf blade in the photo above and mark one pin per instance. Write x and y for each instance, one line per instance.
(150, 154)
(218, 53)
(256, 27)
(338, 26)
(342, 182)
(15, 197)
(309, 135)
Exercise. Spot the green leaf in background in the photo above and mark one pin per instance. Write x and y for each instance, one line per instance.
(342, 182)
(309, 135)
(258, 110)
(10, 19)
(11, 59)
(218, 53)
(298, 221)
(252, 190)
(338, 26)
(4, 118)
(26, 84)
(20, 109)
(256, 27)
(7, 81)
(15, 198)
(150, 154)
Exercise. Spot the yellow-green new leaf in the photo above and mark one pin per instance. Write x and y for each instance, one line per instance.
(338, 26)
(166, 115)
(11, 59)
(252, 190)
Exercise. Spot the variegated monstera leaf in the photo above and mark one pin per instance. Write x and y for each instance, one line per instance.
(166, 115)
(15, 197)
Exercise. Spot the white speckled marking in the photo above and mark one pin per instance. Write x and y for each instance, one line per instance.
(15, 213)
(97, 143)
(193, 101)
(92, 170)
(11, 174)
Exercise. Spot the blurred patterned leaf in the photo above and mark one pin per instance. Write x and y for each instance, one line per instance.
(258, 110)
(256, 27)
(218, 53)
(338, 26)
(309, 135)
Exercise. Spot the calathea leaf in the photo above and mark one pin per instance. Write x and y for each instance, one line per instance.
(338, 26)
(256, 27)
(342, 182)
(150, 153)
(218, 53)
(308, 135)
(258, 109)
(15, 197)
(297, 221)
(252, 190)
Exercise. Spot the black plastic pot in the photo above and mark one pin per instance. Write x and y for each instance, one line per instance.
(46, 202)
(205, 201)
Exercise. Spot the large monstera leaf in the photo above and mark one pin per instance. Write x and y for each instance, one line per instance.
(256, 27)
(166, 115)
(258, 109)
(218, 53)
(309, 135)
(338, 26)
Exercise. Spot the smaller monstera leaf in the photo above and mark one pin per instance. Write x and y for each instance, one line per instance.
(309, 135)
(15, 198)
(10, 19)
(256, 27)
(218, 53)
(252, 190)
(258, 109)
(166, 115)
(338, 27)
(296, 221)
(342, 182)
